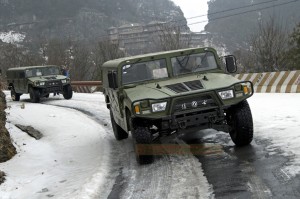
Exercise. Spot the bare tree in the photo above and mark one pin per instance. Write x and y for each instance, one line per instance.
(246, 60)
(81, 63)
(171, 37)
(56, 52)
(270, 45)
(15, 56)
(102, 52)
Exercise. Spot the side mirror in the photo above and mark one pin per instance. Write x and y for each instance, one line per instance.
(112, 79)
(230, 61)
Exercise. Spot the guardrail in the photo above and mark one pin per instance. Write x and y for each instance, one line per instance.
(269, 82)
(274, 82)
(86, 86)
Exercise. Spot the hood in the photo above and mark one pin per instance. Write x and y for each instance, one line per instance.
(180, 86)
(47, 78)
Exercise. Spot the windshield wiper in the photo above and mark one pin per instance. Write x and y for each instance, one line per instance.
(201, 63)
(181, 61)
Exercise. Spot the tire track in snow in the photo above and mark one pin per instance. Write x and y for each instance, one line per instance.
(168, 177)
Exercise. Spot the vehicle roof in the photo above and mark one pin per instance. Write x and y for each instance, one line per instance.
(116, 62)
(29, 67)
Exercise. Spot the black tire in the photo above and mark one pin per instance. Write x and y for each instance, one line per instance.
(47, 96)
(119, 133)
(34, 95)
(239, 118)
(142, 140)
(67, 92)
(14, 96)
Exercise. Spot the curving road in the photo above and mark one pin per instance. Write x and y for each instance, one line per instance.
(256, 171)
(219, 170)
(168, 177)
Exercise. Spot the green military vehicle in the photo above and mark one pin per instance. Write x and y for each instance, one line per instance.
(163, 93)
(38, 81)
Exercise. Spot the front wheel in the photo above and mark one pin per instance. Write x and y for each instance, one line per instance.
(142, 139)
(14, 96)
(239, 118)
(34, 95)
(67, 92)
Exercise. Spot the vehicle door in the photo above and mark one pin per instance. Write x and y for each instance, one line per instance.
(22, 82)
(114, 95)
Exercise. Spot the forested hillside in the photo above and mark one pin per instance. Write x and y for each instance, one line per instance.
(81, 19)
(234, 22)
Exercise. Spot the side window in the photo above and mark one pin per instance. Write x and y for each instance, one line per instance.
(22, 74)
(28, 73)
(112, 79)
(144, 71)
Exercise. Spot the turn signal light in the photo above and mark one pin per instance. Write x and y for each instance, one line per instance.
(246, 90)
(137, 109)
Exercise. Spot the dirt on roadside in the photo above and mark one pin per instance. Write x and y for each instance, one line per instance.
(7, 149)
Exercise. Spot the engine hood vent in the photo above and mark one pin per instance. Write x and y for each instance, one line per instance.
(52, 77)
(186, 86)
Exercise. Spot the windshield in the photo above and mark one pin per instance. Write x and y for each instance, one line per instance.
(35, 72)
(144, 71)
(193, 63)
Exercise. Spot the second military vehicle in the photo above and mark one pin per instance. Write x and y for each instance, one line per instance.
(38, 81)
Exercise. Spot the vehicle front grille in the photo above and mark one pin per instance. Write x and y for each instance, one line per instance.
(186, 86)
(53, 89)
(204, 101)
(53, 83)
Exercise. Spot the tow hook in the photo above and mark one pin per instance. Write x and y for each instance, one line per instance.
(212, 119)
(182, 124)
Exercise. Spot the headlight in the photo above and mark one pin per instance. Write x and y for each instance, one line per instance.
(64, 81)
(157, 107)
(226, 94)
(39, 83)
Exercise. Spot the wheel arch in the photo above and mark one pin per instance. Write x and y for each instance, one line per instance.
(10, 86)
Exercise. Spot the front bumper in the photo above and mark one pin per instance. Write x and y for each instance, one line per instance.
(201, 110)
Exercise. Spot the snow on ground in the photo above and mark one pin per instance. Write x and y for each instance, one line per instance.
(106, 159)
(11, 37)
(70, 156)
(78, 156)
(277, 118)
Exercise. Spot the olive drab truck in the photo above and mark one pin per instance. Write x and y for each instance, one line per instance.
(180, 91)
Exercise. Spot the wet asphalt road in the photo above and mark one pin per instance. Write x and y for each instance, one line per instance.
(246, 172)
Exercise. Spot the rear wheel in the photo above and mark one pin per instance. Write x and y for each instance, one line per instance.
(34, 95)
(67, 92)
(119, 133)
(239, 117)
(14, 96)
(142, 139)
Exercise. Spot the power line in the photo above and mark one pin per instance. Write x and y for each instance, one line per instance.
(225, 16)
(231, 9)
(245, 12)
(217, 18)
(209, 14)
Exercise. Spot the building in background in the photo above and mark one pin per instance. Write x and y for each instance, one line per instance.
(137, 38)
